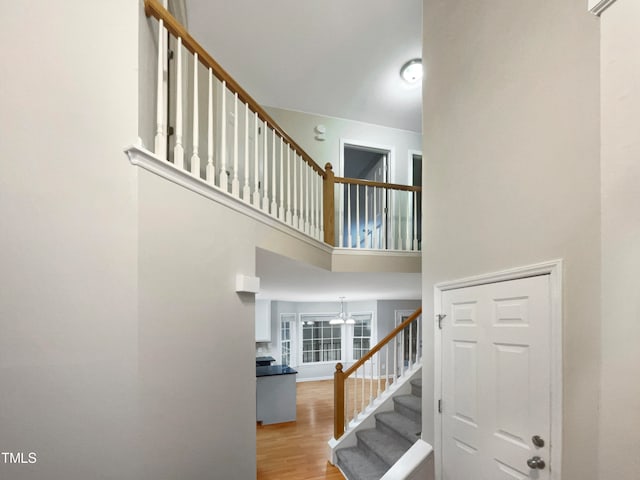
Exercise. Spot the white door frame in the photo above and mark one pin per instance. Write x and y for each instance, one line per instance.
(412, 153)
(552, 268)
(368, 145)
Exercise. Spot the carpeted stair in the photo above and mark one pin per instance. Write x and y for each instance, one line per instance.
(379, 448)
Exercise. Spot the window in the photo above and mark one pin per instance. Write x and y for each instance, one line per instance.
(321, 342)
(361, 335)
(286, 324)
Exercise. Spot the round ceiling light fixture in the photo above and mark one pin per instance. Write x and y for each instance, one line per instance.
(411, 72)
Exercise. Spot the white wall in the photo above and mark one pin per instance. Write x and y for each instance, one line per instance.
(620, 102)
(511, 177)
(68, 302)
(300, 126)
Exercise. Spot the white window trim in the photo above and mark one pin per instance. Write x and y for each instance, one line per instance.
(292, 337)
(346, 338)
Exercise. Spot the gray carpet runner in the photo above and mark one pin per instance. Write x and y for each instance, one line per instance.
(379, 448)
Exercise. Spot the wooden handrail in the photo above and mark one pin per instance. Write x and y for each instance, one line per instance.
(340, 376)
(369, 183)
(155, 9)
(382, 343)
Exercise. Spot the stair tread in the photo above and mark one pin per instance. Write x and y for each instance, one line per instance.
(417, 382)
(360, 465)
(409, 401)
(403, 426)
(388, 447)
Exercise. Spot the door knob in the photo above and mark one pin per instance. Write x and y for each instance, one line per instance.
(536, 463)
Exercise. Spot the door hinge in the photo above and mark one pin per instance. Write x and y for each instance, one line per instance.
(170, 54)
(440, 406)
(440, 317)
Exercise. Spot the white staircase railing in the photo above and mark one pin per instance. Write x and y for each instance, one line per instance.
(357, 387)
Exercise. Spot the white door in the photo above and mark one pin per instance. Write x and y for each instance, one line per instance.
(496, 376)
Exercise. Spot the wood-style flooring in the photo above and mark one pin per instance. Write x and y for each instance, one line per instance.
(298, 450)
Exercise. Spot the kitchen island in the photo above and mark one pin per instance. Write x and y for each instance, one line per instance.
(275, 394)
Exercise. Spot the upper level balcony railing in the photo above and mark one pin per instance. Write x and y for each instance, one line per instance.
(225, 139)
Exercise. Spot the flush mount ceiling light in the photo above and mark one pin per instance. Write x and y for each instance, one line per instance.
(411, 72)
(342, 316)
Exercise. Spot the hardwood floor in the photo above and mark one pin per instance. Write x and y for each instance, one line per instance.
(298, 450)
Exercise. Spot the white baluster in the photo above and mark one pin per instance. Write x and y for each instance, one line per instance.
(378, 356)
(235, 182)
(288, 213)
(371, 381)
(340, 214)
(195, 156)
(178, 149)
(246, 190)
(384, 209)
(256, 166)
(307, 225)
(410, 346)
(346, 403)
(294, 219)
(357, 216)
(160, 147)
(415, 221)
(281, 197)
(211, 171)
(402, 353)
(224, 175)
(319, 179)
(386, 367)
(407, 245)
(418, 340)
(355, 394)
(366, 217)
(274, 204)
(265, 173)
(348, 185)
(399, 221)
(312, 195)
(395, 359)
(374, 230)
(362, 383)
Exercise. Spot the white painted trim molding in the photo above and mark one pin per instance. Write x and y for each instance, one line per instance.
(143, 158)
(598, 6)
(554, 269)
(391, 154)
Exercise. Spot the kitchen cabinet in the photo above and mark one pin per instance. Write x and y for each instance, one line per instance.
(263, 320)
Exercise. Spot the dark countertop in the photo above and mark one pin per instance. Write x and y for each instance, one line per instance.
(266, 360)
(274, 370)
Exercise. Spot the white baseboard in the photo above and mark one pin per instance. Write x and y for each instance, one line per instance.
(313, 379)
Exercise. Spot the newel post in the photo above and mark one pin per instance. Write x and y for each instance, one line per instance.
(328, 205)
(338, 402)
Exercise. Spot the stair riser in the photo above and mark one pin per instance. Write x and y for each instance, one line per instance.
(407, 412)
(366, 448)
(417, 391)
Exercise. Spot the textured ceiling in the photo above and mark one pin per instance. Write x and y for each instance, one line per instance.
(335, 57)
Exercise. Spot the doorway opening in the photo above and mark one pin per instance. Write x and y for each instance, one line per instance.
(415, 165)
(365, 221)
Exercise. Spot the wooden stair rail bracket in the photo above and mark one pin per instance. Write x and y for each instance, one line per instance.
(328, 205)
(153, 8)
(339, 377)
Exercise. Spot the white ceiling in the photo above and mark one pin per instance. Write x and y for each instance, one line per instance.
(333, 57)
(282, 278)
